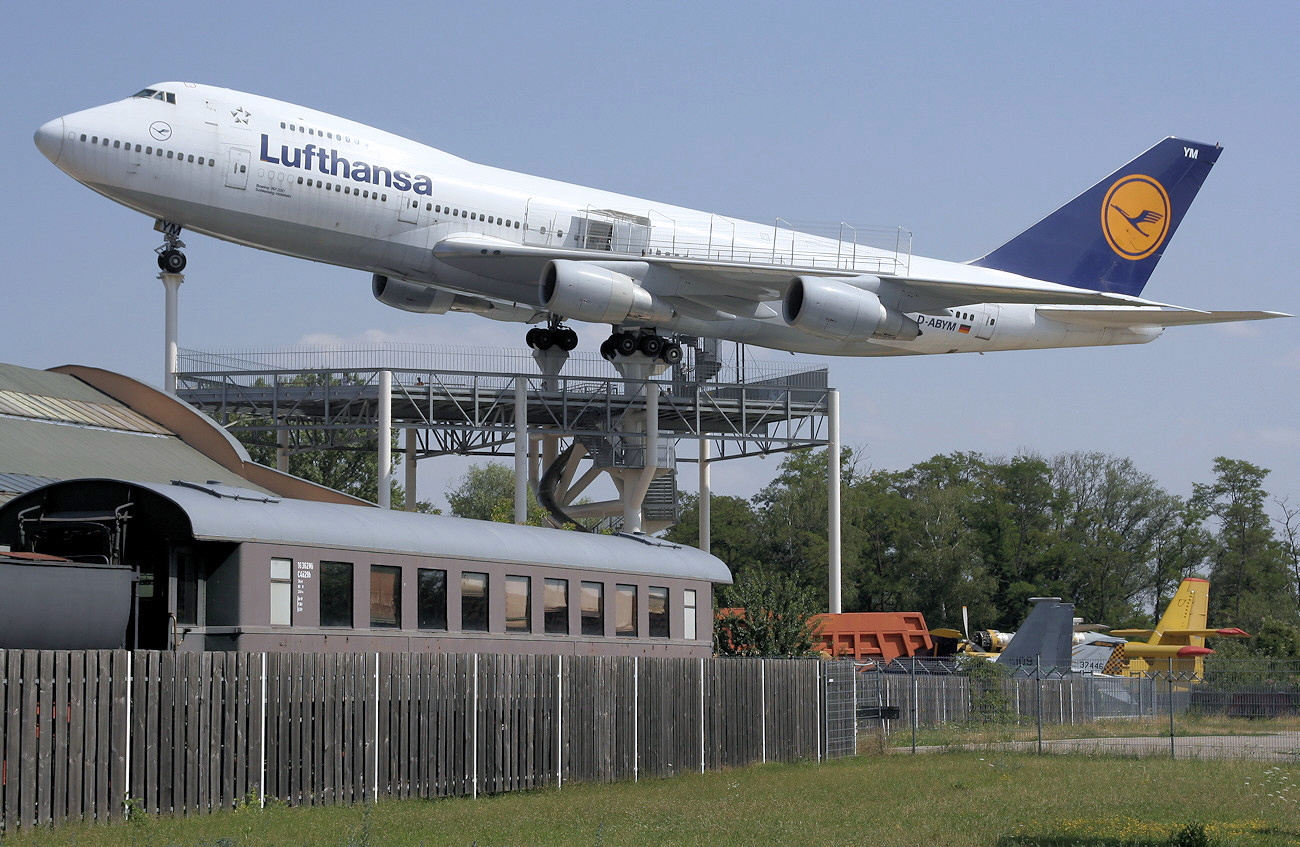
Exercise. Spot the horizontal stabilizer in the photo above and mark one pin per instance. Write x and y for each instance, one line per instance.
(1134, 316)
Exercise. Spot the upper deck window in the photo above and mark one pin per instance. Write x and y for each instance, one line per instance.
(154, 94)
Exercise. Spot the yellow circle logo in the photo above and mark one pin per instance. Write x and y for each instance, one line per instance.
(1135, 216)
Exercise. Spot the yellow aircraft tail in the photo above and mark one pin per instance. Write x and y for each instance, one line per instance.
(1177, 644)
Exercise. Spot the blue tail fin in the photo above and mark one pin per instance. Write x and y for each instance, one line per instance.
(1110, 237)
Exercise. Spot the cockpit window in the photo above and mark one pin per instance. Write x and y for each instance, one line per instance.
(154, 94)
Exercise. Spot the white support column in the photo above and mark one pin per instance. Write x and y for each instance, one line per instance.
(522, 447)
(385, 437)
(172, 286)
(634, 494)
(282, 449)
(833, 494)
(706, 495)
(412, 449)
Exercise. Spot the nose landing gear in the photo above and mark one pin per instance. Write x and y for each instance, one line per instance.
(170, 258)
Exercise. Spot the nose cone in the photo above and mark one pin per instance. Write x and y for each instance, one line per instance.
(49, 139)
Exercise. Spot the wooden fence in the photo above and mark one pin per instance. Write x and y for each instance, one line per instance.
(91, 735)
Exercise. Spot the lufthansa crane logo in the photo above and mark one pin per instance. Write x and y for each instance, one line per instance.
(160, 130)
(1135, 216)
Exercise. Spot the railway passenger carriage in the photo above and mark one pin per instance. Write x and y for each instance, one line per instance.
(225, 568)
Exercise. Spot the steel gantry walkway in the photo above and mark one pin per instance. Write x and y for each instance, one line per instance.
(555, 413)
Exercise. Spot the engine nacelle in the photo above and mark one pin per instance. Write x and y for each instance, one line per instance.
(583, 291)
(410, 296)
(424, 299)
(833, 309)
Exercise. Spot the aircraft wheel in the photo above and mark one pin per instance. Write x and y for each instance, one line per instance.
(651, 345)
(566, 339)
(624, 343)
(544, 340)
(672, 353)
(530, 337)
(607, 351)
(171, 261)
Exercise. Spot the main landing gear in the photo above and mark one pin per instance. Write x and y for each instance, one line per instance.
(170, 258)
(647, 342)
(554, 334)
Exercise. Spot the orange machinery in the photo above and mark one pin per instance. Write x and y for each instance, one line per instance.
(874, 635)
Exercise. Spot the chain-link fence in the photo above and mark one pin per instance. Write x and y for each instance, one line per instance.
(1232, 710)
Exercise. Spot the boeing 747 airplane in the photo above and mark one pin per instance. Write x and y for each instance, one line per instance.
(438, 233)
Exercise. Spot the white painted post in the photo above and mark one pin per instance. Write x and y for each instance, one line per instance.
(261, 782)
(374, 755)
(385, 439)
(636, 717)
(130, 660)
(762, 702)
(706, 495)
(701, 716)
(474, 736)
(412, 447)
(521, 450)
(833, 492)
(172, 287)
(559, 727)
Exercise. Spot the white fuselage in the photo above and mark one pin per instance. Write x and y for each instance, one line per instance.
(279, 177)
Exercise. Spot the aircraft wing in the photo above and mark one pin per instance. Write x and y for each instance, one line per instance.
(1231, 632)
(726, 285)
(1134, 316)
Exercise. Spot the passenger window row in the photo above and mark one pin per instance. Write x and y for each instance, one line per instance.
(320, 133)
(337, 592)
(149, 150)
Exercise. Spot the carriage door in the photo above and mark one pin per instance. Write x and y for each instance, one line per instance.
(986, 321)
(237, 167)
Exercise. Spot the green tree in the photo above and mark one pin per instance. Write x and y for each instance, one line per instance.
(772, 617)
(792, 511)
(1248, 566)
(735, 534)
(1110, 521)
(345, 460)
(486, 492)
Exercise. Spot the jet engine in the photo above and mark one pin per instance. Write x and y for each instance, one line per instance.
(424, 299)
(583, 291)
(835, 309)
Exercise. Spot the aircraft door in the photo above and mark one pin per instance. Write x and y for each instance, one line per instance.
(987, 321)
(408, 210)
(237, 167)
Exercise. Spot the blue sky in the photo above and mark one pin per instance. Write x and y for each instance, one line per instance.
(963, 123)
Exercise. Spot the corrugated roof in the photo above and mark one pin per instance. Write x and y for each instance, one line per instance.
(37, 448)
(56, 426)
(215, 515)
(82, 412)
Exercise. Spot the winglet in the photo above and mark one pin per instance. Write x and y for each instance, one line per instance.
(1110, 237)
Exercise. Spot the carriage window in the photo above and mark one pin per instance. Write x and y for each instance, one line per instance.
(689, 629)
(187, 588)
(474, 602)
(625, 611)
(519, 598)
(281, 592)
(385, 597)
(593, 608)
(556, 603)
(432, 599)
(657, 605)
(336, 594)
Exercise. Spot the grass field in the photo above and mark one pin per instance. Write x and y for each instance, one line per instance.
(991, 732)
(947, 799)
